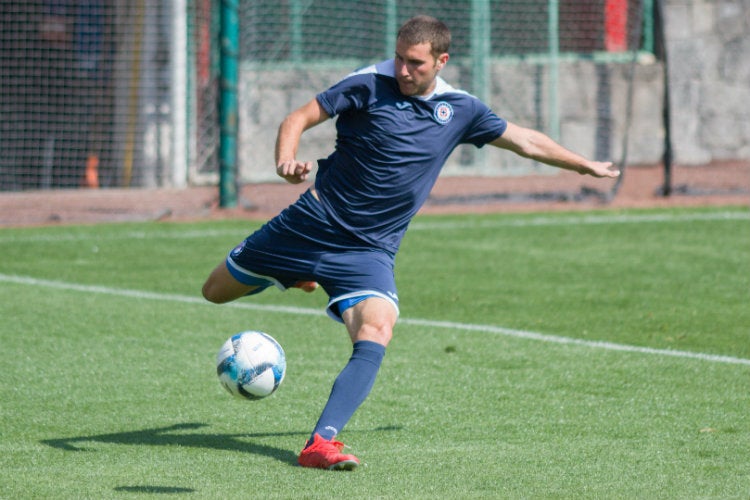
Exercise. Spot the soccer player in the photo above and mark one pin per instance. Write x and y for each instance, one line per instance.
(397, 123)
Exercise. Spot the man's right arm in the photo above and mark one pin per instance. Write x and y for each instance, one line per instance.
(533, 144)
(288, 137)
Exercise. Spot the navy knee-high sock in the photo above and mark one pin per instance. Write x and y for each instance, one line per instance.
(350, 388)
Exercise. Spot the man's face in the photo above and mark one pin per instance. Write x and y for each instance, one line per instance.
(417, 68)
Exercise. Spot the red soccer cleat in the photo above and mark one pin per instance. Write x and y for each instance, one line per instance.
(324, 454)
(306, 286)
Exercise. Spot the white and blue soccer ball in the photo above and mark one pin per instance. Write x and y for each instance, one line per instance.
(251, 365)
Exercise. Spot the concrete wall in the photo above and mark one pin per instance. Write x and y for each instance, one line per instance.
(708, 47)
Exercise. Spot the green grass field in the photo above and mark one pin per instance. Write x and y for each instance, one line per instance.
(582, 355)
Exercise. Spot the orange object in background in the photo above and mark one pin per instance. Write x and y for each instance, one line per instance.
(91, 176)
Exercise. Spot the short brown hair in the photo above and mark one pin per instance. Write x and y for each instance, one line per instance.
(426, 29)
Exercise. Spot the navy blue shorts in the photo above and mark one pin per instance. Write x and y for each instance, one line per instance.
(302, 244)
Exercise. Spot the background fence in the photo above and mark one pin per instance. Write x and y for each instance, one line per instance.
(114, 93)
(103, 92)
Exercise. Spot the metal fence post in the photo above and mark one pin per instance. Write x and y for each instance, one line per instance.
(228, 104)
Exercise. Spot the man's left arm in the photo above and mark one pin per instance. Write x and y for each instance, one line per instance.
(537, 146)
(288, 137)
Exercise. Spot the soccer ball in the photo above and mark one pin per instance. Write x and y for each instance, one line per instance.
(251, 365)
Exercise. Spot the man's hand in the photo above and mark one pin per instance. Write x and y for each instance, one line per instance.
(287, 141)
(294, 171)
(600, 169)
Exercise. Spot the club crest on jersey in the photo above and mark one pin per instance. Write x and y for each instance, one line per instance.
(237, 250)
(443, 112)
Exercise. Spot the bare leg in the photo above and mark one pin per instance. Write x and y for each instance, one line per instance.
(372, 319)
(221, 287)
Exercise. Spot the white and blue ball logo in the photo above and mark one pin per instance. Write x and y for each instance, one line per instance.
(251, 365)
(443, 112)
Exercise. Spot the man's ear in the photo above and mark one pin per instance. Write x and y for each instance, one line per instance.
(442, 60)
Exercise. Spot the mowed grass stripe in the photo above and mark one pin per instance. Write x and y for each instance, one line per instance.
(497, 330)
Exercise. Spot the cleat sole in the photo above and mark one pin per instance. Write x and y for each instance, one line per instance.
(344, 465)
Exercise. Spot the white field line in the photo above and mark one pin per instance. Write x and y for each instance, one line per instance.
(491, 329)
(417, 225)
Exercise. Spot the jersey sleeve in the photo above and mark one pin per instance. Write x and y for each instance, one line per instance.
(354, 92)
(486, 126)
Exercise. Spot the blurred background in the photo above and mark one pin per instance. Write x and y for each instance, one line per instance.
(178, 93)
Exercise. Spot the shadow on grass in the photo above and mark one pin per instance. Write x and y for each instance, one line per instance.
(154, 489)
(174, 435)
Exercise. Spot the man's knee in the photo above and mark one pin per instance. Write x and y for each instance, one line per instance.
(211, 292)
(379, 332)
(372, 319)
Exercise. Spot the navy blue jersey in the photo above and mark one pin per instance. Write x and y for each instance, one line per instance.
(390, 149)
